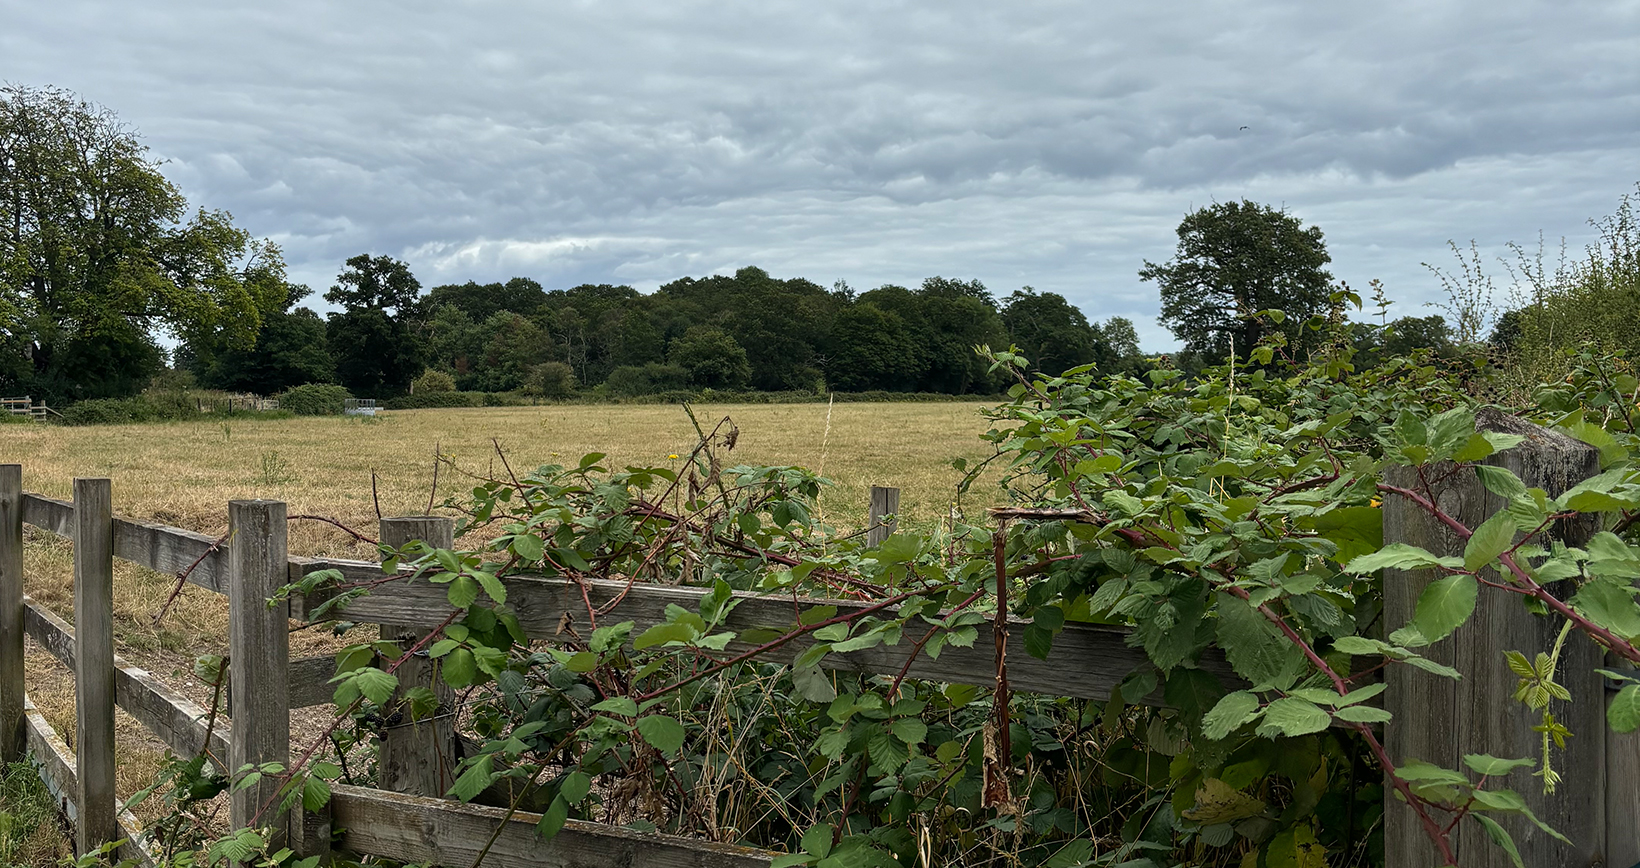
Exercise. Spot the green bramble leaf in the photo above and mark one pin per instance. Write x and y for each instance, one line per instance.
(1500, 481)
(1445, 605)
(1363, 714)
(811, 682)
(1611, 605)
(1399, 556)
(1500, 836)
(463, 592)
(1485, 764)
(1623, 713)
(1291, 716)
(1492, 538)
(664, 733)
(618, 705)
(553, 819)
(1231, 713)
(1075, 852)
(459, 668)
(475, 779)
(528, 547)
(575, 787)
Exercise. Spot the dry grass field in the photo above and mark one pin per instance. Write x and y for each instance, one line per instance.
(184, 474)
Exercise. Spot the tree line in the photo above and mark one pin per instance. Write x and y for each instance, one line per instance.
(748, 330)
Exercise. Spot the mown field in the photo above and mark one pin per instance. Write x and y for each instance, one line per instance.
(185, 473)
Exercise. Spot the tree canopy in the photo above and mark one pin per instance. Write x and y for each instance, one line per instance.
(99, 256)
(1234, 260)
(376, 338)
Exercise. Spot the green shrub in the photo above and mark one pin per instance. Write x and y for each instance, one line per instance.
(314, 399)
(107, 411)
(630, 381)
(432, 380)
(171, 404)
(435, 400)
(506, 399)
(551, 380)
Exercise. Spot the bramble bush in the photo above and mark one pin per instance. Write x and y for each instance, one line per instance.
(1238, 511)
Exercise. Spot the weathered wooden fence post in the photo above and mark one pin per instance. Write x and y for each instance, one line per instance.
(884, 501)
(94, 664)
(259, 657)
(418, 757)
(1438, 719)
(12, 735)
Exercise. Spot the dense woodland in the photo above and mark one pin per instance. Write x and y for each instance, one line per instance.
(739, 332)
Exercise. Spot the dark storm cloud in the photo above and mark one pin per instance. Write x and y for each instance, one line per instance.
(1052, 144)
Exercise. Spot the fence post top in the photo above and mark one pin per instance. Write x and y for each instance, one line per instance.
(255, 502)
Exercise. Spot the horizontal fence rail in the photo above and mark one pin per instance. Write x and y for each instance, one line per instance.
(56, 764)
(420, 829)
(1086, 662)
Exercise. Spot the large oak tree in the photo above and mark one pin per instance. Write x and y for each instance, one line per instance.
(99, 256)
(1234, 260)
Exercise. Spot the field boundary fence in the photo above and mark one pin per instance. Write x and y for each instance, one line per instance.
(408, 821)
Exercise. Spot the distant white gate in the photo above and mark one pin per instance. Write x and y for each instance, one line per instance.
(359, 406)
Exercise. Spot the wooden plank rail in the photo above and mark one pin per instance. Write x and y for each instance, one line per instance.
(55, 763)
(158, 547)
(1087, 661)
(419, 829)
(176, 719)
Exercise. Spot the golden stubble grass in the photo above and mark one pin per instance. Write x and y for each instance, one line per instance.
(184, 474)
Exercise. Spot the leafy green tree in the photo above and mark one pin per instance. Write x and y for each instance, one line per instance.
(781, 323)
(1051, 332)
(290, 350)
(98, 255)
(432, 380)
(1117, 347)
(1591, 298)
(957, 317)
(551, 380)
(1234, 260)
(713, 358)
(1399, 339)
(377, 347)
(514, 345)
(871, 349)
(521, 295)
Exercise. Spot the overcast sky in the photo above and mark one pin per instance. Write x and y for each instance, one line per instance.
(1055, 145)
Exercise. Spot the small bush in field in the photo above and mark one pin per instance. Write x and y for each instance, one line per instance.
(314, 399)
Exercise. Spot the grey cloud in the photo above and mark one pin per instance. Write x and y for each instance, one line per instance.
(1054, 144)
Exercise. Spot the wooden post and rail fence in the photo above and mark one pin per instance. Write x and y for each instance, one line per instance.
(1598, 806)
